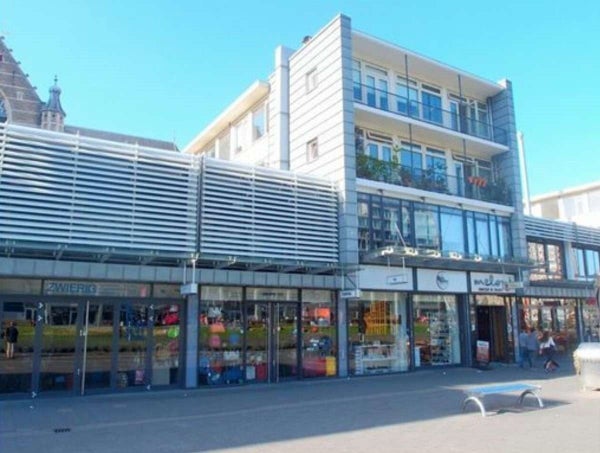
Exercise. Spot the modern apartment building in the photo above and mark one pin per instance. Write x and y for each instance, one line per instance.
(357, 213)
(425, 159)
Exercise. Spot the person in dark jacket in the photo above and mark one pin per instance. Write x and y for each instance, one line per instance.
(12, 335)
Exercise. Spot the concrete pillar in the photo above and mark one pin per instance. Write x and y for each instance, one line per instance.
(191, 342)
(342, 327)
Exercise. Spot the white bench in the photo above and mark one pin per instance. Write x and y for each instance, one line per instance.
(477, 394)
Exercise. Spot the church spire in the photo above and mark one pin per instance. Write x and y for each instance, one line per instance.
(53, 115)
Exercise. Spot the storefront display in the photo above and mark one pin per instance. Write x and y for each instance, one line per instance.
(436, 330)
(378, 338)
(556, 316)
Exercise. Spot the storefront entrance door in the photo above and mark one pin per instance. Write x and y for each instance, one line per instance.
(271, 341)
(491, 327)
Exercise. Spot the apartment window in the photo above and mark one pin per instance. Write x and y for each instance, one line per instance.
(239, 135)
(407, 100)
(357, 80)
(432, 104)
(586, 263)
(258, 123)
(311, 80)
(312, 150)
(377, 88)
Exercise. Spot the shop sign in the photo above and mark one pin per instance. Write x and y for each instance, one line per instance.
(350, 294)
(492, 283)
(441, 281)
(107, 289)
(391, 278)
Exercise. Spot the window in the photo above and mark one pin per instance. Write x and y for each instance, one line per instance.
(239, 135)
(311, 80)
(258, 123)
(452, 230)
(3, 114)
(377, 88)
(312, 150)
(407, 100)
(586, 263)
(432, 104)
(427, 231)
(550, 256)
(356, 80)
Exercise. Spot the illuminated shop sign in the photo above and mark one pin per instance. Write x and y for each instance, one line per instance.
(492, 283)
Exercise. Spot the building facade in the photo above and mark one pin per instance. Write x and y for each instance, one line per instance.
(357, 213)
(580, 205)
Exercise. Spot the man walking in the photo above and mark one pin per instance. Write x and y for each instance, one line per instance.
(532, 346)
(12, 335)
(523, 348)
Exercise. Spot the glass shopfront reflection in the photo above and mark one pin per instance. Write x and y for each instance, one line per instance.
(259, 335)
(16, 360)
(167, 344)
(133, 345)
(59, 345)
(319, 339)
(436, 330)
(377, 334)
(556, 316)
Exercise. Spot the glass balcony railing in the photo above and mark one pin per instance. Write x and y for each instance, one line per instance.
(432, 180)
(429, 113)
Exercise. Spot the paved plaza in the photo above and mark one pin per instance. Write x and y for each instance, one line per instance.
(410, 412)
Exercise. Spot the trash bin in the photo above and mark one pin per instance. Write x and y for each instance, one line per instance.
(586, 360)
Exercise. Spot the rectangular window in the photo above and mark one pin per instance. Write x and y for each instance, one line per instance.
(452, 230)
(357, 80)
(258, 123)
(311, 80)
(427, 231)
(312, 150)
(239, 135)
(407, 97)
(432, 107)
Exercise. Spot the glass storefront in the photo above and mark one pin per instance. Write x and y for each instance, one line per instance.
(80, 345)
(436, 330)
(259, 335)
(16, 361)
(377, 333)
(590, 317)
(556, 316)
(319, 339)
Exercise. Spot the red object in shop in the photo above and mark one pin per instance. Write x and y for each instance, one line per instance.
(261, 372)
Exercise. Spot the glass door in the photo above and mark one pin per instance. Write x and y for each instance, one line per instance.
(60, 331)
(271, 341)
(285, 341)
(97, 346)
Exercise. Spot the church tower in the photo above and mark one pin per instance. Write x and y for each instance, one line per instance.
(53, 115)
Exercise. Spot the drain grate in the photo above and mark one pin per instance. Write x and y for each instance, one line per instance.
(62, 430)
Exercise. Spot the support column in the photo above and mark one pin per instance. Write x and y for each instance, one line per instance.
(342, 328)
(191, 342)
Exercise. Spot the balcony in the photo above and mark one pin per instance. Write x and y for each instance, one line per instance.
(432, 180)
(457, 121)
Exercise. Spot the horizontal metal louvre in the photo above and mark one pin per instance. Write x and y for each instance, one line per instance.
(263, 214)
(537, 227)
(73, 191)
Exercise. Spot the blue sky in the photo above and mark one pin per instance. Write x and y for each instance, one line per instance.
(164, 69)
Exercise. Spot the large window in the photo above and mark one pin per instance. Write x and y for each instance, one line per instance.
(357, 80)
(407, 100)
(586, 263)
(452, 230)
(549, 257)
(383, 221)
(432, 104)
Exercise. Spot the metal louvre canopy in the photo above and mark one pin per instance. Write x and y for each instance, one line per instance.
(70, 193)
(264, 215)
(561, 231)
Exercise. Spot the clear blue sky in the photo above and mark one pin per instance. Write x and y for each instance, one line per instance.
(164, 69)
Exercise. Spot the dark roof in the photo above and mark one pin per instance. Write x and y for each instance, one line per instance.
(53, 104)
(123, 138)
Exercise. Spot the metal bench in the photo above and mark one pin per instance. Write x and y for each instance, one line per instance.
(477, 394)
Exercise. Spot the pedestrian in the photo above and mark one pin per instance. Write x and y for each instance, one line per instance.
(12, 335)
(532, 346)
(523, 350)
(547, 350)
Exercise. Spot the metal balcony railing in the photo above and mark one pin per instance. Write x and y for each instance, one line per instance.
(432, 180)
(457, 121)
